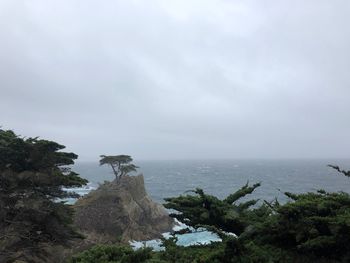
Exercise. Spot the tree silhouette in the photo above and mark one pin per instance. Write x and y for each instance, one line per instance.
(120, 164)
(33, 176)
(336, 167)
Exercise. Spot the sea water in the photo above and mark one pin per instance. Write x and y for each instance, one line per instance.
(220, 178)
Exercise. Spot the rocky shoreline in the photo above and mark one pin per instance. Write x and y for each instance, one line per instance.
(120, 211)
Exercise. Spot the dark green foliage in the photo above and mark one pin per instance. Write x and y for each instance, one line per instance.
(120, 164)
(202, 209)
(31, 154)
(112, 254)
(336, 167)
(245, 190)
(32, 174)
(311, 227)
(173, 254)
(313, 224)
(177, 254)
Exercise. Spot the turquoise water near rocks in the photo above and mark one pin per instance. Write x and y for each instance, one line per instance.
(198, 237)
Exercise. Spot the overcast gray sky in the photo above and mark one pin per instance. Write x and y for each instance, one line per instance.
(161, 79)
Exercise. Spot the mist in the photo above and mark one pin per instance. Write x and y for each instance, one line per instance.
(178, 79)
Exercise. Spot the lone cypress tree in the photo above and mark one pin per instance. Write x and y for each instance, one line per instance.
(120, 164)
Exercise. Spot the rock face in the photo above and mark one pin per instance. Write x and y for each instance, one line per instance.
(120, 211)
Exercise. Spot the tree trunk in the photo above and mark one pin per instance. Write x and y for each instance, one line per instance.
(114, 171)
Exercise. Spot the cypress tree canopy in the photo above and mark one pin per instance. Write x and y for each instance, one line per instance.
(120, 164)
(33, 174)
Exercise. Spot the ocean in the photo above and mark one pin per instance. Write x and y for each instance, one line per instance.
(222, 177)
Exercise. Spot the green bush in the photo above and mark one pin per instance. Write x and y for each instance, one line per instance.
(112, 254)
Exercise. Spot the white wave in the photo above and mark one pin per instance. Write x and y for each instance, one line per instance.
(179, 225)
(81, 191)
(198, 237)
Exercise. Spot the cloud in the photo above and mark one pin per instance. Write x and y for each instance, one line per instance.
(179, 79)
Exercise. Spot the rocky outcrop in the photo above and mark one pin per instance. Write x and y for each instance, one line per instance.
(120, 211)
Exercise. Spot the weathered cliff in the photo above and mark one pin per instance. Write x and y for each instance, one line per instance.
(120, 211)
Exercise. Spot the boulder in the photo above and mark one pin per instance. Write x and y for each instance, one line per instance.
(120, 211)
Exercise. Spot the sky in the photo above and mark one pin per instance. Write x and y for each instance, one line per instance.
(179, 79)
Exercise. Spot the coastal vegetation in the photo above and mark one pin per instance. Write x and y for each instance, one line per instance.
(33, 175)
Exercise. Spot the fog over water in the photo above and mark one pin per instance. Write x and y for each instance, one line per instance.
(182, 79)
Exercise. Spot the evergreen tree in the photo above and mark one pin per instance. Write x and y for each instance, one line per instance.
(33, 173)
(120, 164)
(202, 209)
